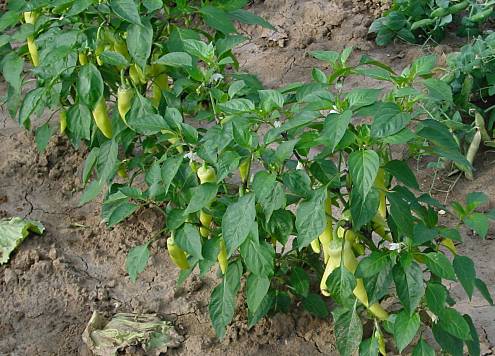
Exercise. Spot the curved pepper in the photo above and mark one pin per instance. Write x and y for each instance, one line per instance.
(177, 255)
(223, 260)
(63, 121)
(102, 120)
(124, 100)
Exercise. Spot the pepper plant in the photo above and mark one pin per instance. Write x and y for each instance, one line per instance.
(295, 190)
(424, 20)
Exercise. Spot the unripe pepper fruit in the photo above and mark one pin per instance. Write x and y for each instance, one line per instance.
(124, 100)
(177, 255)
(63, 121)
(102, 120)
(30, 18)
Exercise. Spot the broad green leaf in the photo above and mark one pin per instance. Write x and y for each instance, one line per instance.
(389, 120)
(90, 85)
(315, 304)
(422, 234)
(43, 135)
(409, 285)
(369, 347)
(482, 288)
(438, 89)
(201, 196)
(89, 164)
(478, 222)
(348, 329)
(360, 97)
(235, 106)
(257, 255)
(79, 122)
(12, 70)
(8, 19)
(127, 10)
(401, 171)
(256, 289)
(334, 129)
(153, 5)
(188, 239)
(281, 225)
(406, 327)
(378, 285)
(341, 284)
(78, 7)
(32, 103)
(175, 59)
(299, 281)
(363, 168)
(474, 344)
(436, 297)
(114, 59)
(363, 209)
(237, 222)
(223, 299)
(249, 18)
(452, 322)
(12, 232)
(217, 19)
(372, 264)
(298, 182)
(116, 208)
(136, 261)
(199, 49)
(271, 99)
(169, 170)
(263, 309)
(423, 349)
(311, 218)
(465, 270)
(139, 41)
(448, 343)
(440, 265)
(476, 199)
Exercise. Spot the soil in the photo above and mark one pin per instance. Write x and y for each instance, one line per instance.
(54, 282)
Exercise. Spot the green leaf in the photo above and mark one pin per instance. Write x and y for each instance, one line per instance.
(89, 164)
(263, 309)
(389, 120)
(482, 288)
(341, 284)
(116, 208)
(439, 90)
(199, 49)
(448, 343)
(237, 222)
(360, 97)
(298, 182)
(436, 297)
(423, 349)
(440, 265)
(256, 289)
(32, 103)
(188, 239)
(422, 234)
(311, 218)
(371, 265)
(43, 135)
(235, 106)
(406, 327)
(466, 272)
(79, 122)
(127, 10)
(299, 281)
(363, 167)
(334, 129)
(217, 19)
(271, 99)
(12, 70)
(409, 285)
(478, 222)
(281, 225)
(9, 19)
(153, 5)
(401, 171)
(175, 59)
(257, 255)
(12, 232)
(90, 85)
(348, 330)
(201, 196)
(476, 199)
(315, 304)
(223, 299)
(139, 41)
(369, 347)
(378, 285)
(363, 210)
(452, 322)
(169, 170)
(136, 261)
(473, 345)
(269, 193)
(249, 18)
(114, 59)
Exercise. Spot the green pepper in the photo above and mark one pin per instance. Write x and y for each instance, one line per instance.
(440, 12)
(422, 23)
(481, 16)
(455, 9)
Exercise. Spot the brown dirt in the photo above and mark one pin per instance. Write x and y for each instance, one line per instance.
(54, 282)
